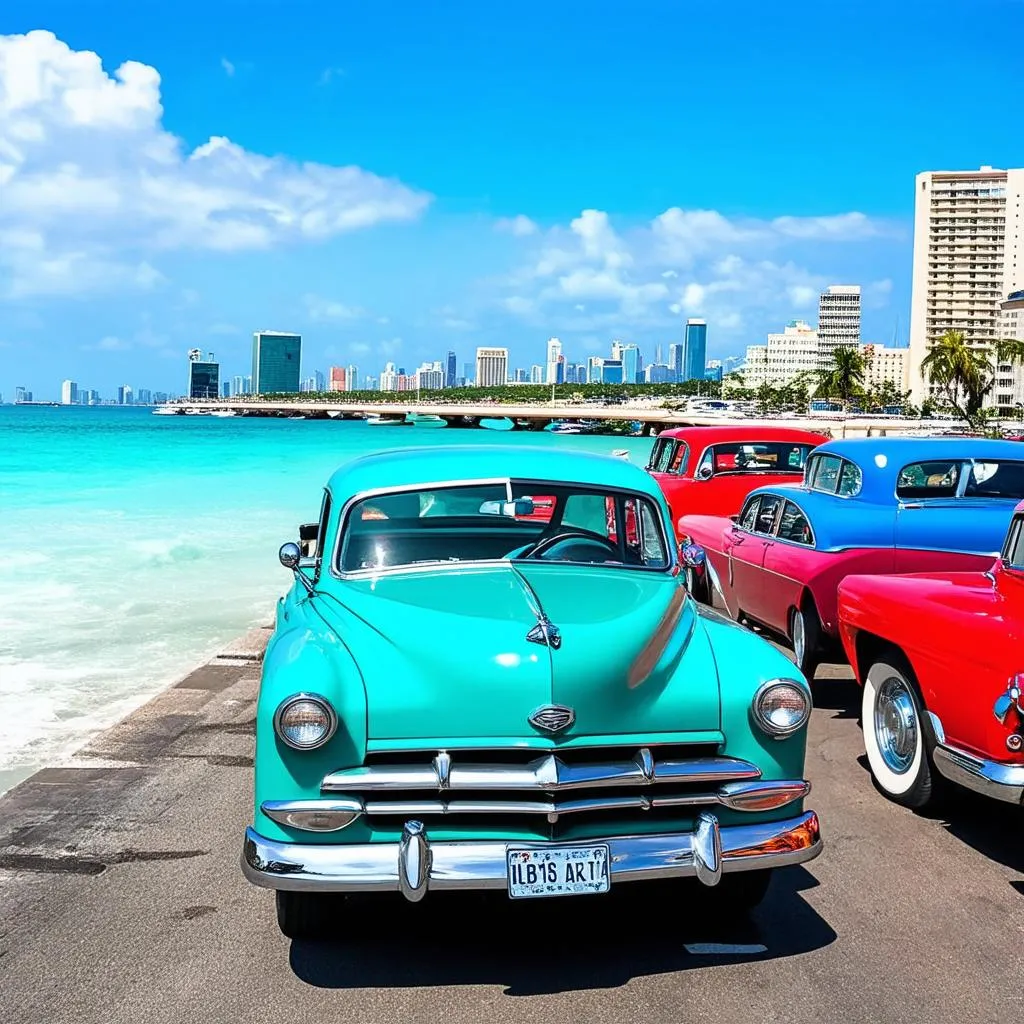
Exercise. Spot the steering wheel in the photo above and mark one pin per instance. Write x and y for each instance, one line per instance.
(544, 546)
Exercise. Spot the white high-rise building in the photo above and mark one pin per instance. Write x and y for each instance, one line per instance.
(430, 375)
(783, 356)
(838, 319)
(883, 365)
(491, 367)
(968, 257)
(69, 393)
(389, 378)
(554, 353)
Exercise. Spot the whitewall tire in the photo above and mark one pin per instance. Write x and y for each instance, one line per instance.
(895, 740)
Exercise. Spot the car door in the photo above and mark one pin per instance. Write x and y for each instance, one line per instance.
(748, 541)
(785, 564)
(926, 492)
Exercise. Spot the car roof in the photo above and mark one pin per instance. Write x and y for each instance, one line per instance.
(408, 467)
(699, 437)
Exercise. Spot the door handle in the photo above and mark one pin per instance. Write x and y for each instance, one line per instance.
(737, 539)
(912, 504)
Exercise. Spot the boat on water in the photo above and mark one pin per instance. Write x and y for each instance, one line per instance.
(565, 427)
(497, 423)
(165, 410)
(421, 419)
(221, 413)
(377, 420)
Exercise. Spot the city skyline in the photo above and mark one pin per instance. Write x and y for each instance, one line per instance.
(149, 210)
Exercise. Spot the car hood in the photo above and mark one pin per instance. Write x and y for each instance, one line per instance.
(444, 653)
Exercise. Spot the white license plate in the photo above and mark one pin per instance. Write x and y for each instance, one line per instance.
(557, 870)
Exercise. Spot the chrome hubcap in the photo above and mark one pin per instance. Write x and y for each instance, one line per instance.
(896, 725)
(798, 637)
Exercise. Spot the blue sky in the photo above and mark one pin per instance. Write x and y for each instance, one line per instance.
(397, 179)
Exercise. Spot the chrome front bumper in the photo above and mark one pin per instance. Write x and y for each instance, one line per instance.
(415, 864)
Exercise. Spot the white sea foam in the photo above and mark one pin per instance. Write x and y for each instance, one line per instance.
(143, 550)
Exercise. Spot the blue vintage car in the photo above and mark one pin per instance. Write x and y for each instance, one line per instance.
(869, 505)
(488, 675)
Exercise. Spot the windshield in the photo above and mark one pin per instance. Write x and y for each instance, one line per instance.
(518, 520)
(756, 457)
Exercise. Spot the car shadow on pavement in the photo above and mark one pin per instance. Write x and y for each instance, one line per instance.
(840, 695)
(549, 946)
(989, 826)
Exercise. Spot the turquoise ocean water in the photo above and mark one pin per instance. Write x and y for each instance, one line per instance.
(138, 545)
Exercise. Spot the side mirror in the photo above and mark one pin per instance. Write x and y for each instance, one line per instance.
(705, 472)
(735, 519)
(290, 556)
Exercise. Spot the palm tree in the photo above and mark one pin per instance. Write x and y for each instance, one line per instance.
(844, 379)
(966, 374)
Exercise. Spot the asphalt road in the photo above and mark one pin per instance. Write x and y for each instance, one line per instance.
(121, 901)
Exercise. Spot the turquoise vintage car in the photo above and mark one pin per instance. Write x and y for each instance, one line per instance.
(489, 675)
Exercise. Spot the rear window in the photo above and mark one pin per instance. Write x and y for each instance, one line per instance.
(668, 456)
(757, 457)
(833, 475)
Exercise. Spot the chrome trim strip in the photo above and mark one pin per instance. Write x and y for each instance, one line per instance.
(990, 778)
(548, 773)
(731, 794)
(413, 862)
(379, 867)
(707, 850)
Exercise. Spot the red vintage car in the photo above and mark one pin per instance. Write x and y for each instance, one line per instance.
(940, 657)
(710, 470)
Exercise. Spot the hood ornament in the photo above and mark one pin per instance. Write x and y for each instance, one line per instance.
(545, 632)
(552, 717)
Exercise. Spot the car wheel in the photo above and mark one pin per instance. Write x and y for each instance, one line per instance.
(742, 891)
(306, 915)
(805, 636)
(894, 735)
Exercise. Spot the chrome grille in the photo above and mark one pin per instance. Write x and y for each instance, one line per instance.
(510, 783)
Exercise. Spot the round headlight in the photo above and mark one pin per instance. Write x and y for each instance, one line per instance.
(305, 721)
(781, 707)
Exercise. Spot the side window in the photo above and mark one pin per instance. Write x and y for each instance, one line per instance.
(928, 480)
(850, 479)
(661, 456)
(793, 525)
(823, 473)
(1013, 551)
(707, 465)
(766, 513)
(588, 512)
(679, 458)
(749, 517)
(651, 544)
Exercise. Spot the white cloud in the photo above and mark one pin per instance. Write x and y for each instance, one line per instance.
(229, 68)
(318, 308)
(680, 263)
(520, 225)
(359, 348)
(95, 187)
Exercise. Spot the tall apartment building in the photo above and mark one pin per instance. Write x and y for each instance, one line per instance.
(1009, 389)
(783, 356)
(883, 365)
(968, 257)
(695, 350)
(554, 352)
(492, 366)
(838, 320)
(69, 393)
(275, 362)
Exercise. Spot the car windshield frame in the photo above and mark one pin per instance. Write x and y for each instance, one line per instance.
(516, 485)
